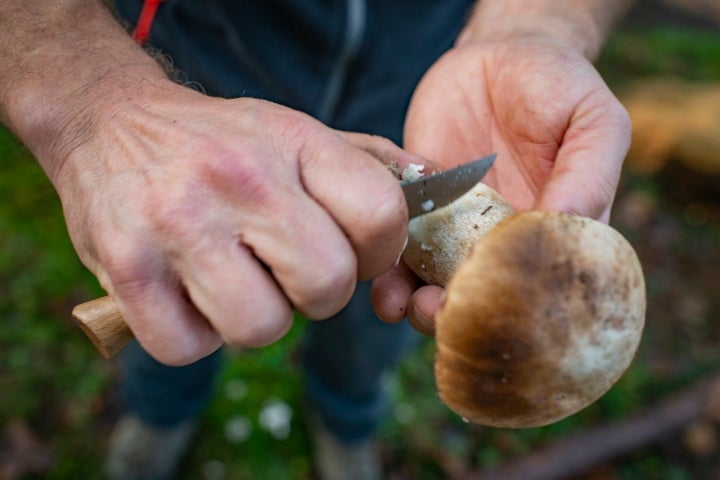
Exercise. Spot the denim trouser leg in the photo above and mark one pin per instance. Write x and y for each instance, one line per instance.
(162, 395)
(344, 359)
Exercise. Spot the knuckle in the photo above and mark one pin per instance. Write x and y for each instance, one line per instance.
(259, 332)
(384, 218)
(379, 232)
(329, 289)
(383, 144)
(126, 269)
(237, 173)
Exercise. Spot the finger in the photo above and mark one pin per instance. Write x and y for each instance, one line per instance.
(307, 254)
(391, 292)
(589, 162)
(236, 294)
(389, 153)
(424, 305)
(363, 198)
(164, 321)
(266, 213)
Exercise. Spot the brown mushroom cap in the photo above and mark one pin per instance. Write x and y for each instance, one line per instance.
(539, 321)
(438, 241)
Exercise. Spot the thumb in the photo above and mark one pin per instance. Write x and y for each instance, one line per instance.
(587, 169)
(390, 154)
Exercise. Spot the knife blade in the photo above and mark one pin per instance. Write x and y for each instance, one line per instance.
(429, 193)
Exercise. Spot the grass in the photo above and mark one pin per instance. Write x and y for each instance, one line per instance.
(671, 52)
(53, 382)
(48, 378)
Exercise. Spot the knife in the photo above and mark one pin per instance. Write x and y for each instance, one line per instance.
(429, 193)
(105, 326)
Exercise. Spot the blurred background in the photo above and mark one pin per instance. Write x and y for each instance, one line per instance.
(57, 395)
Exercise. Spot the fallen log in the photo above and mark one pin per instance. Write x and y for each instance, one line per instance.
(578, 454)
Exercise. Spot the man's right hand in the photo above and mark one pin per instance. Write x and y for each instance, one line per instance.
(209, 220)
(206, 219)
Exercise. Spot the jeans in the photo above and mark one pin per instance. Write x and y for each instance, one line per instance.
(261, 48)
(344, 360)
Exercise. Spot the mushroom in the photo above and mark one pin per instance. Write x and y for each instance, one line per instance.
(541, 317)
(440, 240)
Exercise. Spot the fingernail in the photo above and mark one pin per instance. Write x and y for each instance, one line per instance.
(421, 322)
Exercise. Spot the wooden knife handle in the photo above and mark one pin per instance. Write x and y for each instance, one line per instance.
(103, 323)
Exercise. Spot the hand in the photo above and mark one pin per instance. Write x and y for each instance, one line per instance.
(560, 134)
(209, 220)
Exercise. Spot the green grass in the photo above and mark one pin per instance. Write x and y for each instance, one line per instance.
(250, 381)
(52, 379)
(672, 52)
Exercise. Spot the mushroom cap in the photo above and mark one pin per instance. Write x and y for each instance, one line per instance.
(439, 240)
(539, 321)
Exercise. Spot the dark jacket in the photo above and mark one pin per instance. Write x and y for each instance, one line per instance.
(351, 63)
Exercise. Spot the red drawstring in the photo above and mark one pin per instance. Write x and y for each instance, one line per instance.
(147, 15)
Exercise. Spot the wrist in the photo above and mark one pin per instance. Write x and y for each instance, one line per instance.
(65, 70)
(53, 122)
(580, 26)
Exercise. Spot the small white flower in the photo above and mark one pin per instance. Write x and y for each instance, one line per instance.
(404, 413)
(275, 418)
(238, 429)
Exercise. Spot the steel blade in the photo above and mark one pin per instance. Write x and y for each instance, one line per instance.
(435, 191)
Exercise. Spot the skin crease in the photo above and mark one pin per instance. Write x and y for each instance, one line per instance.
(559, 132)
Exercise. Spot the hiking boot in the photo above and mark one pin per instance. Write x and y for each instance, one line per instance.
(138, 451)
(335, 460)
